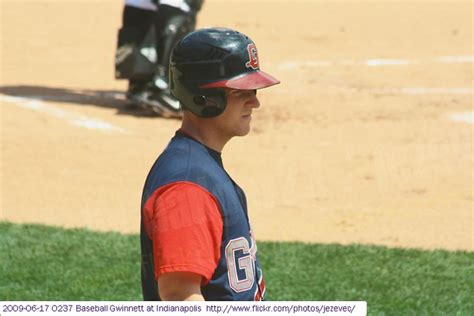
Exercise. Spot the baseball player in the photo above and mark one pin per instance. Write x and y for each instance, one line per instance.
(196, 239)
(150, 28)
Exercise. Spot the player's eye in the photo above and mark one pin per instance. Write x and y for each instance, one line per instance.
(241, 93)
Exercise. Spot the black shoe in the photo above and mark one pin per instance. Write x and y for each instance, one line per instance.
(159, 100)
(137, 93)
(163, 104)
(154, 96)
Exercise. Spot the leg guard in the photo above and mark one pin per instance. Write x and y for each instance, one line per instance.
(172, 24)
(195, 4)
(136, 55)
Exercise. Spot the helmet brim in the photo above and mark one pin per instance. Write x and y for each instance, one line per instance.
(249, 81)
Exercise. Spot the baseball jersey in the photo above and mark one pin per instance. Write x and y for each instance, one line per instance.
(194, 219)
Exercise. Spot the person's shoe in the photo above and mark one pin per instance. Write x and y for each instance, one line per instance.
(159, 100)
(154, 96)
(137, 93)
(162, 103)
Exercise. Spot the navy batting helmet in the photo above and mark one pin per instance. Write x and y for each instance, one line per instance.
(208, 60)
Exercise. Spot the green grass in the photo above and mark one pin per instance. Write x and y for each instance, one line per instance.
(392, 281)
(46, 263)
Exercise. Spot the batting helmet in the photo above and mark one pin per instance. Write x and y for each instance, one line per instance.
(208, 60)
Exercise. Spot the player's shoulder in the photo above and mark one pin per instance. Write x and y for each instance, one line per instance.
(188, 192)
(180, 161)
(182, 147)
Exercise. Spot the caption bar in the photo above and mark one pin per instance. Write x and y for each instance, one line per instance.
(182, 308)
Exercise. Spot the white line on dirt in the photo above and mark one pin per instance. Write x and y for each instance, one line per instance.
(465, 117)
(422, 91)
(373, 62)
(385, 62)
(455, 59)
(73, 118)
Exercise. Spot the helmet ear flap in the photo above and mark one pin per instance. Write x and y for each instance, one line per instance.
(201, 102)
(210, 104)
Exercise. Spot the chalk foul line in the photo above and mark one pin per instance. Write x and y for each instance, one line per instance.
(373, 62)
(464, 117)
(70, 117)
(422, 91)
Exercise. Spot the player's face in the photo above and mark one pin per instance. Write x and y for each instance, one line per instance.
(235, 120)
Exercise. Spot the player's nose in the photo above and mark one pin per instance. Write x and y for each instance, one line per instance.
(253, 100)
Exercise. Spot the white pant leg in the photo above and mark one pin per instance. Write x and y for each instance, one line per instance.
(180, 4)
(141, 4)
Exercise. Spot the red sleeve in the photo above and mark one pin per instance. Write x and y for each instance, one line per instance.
(185, 224)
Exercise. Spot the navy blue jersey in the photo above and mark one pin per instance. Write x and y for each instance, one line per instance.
(238, 275)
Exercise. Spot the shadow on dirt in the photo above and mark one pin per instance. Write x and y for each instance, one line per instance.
(101, 98)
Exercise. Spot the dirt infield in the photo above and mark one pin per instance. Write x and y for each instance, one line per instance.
(369, 138)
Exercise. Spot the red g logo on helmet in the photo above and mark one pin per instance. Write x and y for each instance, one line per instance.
(253, 57)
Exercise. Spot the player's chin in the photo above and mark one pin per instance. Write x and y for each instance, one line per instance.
(243, 130)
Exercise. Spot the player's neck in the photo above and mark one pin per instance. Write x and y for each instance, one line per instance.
(204, 134)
